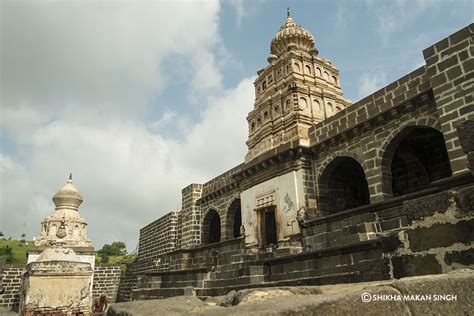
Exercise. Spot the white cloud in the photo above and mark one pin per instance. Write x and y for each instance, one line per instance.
(370, 82)
(393, 16)
(127, 175)
(106, 54)
(240, 12)
(77, 83)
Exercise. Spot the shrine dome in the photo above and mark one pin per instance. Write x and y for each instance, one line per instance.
(68, 196)
(292, 36)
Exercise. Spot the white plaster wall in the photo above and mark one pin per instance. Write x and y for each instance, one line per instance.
(288, 198)
(32, 257)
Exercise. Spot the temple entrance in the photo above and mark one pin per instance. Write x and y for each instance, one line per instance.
(268, 227)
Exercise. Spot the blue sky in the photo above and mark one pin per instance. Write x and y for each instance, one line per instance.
(139, 99)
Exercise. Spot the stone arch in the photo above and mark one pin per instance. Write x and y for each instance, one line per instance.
(75, 232)
(233, 219)
(317, 106)
(52, 230)
(287, 104)
(330, 107)
(412, 157)
(326, 76)
(303, 103)
(297, 67)
(211, 227)
(319, 73)
(307, 69)
(342, 185)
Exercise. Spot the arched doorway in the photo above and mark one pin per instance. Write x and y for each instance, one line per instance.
(211, 227)
(233, 220)
(342, 186)
(414, 158)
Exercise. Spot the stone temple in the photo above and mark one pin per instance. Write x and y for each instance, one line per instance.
(328, 192)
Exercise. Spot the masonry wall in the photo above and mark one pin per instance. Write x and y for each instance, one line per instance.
(106, 280)
(10, 285)
(450, 68)
(159, 237)
(190, 217)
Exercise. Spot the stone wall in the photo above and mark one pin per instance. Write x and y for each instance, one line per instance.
(158, 237)
(10, 285)
(190, 217)
(430, 232)
(106, 280)
(450, 67)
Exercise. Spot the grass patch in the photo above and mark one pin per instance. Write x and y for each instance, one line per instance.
(18, 250)
(115, 259)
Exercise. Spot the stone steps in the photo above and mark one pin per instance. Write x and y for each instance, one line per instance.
(319, 280)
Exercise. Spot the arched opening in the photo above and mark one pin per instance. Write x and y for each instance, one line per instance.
(303, 103)
(211, 228)
(53, 230)
(318, 72)
(233, 220)
(415, 157)
(342, 186)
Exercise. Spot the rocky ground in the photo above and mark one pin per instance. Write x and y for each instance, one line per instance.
(341, 299)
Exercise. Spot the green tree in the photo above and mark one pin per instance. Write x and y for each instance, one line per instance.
(7, 253)
(117, 248)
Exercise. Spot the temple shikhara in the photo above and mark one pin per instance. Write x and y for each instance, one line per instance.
(328, 192)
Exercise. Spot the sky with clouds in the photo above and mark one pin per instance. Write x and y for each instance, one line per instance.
(140, 98)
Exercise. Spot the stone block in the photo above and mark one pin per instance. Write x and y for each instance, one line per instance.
(410, 265)
(441, 235)
(463, 257)
(427, 205)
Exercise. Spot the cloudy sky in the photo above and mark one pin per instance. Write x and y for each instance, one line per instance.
(140, 98)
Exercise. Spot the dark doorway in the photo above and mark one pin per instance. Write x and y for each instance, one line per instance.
(233, 220)
(237, 223)
(343, 186)
(215, 229)
(416, 157)
(268, 227)
(211, 228)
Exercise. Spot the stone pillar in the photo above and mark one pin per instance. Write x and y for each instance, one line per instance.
(190, 218)
(466, 137)
(450, 67)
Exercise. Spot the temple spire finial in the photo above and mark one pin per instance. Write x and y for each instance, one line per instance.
(288, 12)
(70, 178)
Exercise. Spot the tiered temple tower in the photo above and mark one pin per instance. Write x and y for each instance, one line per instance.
(67, 201)
(297, 89)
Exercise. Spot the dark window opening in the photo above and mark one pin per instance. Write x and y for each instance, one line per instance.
(215, 229)
(419, 159)
(211, 228)
(233, 220)
(237, 223)
(343, 186)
